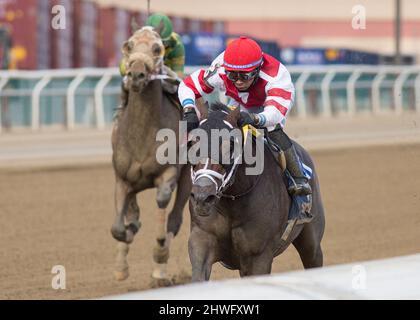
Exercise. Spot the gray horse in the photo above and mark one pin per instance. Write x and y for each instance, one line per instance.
(240, 223)
(134, 155)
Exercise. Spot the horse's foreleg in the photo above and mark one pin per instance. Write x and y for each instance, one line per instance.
(165, 184)
(202, 249)
(256, 264)
(182, 196)
(308, 245)
(123, 203)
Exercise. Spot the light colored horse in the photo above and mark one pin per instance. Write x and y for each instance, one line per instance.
(134, 154)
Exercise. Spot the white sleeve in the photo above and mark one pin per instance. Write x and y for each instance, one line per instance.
(186, 95)
(271, 116)
(201, 83)
(280, 93)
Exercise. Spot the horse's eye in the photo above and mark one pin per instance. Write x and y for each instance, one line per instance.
(156, 49)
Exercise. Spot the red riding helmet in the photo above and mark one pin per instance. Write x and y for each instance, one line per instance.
(242, 55)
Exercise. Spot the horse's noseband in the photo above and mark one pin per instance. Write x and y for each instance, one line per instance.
(226, 179)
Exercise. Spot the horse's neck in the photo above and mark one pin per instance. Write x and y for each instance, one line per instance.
(144, 108)
(242, 183)
(143, 116)
(245, 181)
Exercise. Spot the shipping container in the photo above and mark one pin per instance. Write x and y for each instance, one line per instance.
(44, 35)
(5, 46)
(62, 33)
(193, 26)
(207, 26)
(85, 33)
(180, 24)
(105, 49)
(141, 18)
(219, 27)
(20, 18)
(123, 32)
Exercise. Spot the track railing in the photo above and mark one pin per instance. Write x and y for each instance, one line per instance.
(87, 97)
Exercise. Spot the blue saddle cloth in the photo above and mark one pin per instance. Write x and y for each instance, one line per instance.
(300, 208)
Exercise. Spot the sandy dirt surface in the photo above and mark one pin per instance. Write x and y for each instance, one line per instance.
(55, 147)
(62, 216)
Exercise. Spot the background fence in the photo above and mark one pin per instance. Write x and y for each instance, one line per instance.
(87, 97)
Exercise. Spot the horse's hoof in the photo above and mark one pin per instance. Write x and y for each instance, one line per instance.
(182, 278)
(129, 236)
(162, 282)
(121, 275)
(119, 233)
(160, 277)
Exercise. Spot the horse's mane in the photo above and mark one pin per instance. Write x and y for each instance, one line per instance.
(218, 106)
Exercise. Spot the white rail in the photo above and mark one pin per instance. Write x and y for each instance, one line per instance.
(36, 96)
(316, 86)
(394, 278)
(99, 101)
(71, 104)
(351, 92)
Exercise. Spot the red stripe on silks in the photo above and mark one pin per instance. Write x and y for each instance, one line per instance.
(190, 84)
(203, 85)
(274, 103)
(280, 93)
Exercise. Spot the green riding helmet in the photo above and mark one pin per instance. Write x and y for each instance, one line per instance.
(155, 21)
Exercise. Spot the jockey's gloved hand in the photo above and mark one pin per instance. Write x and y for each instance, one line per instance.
(190, 115)
(248, 118)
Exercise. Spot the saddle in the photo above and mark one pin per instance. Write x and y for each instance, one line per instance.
(280, 158)
(170, 87)
(173, 97)
(272, 146)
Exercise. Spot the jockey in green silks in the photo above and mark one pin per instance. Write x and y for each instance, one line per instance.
(174, 58)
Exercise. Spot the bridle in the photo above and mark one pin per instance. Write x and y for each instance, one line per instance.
(226, 178)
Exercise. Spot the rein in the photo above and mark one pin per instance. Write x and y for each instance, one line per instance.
(234, 197)
(159, 77)
(226, 179)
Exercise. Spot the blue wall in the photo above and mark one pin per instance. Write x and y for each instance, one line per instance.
(203, 48)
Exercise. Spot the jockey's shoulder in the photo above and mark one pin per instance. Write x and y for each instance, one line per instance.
(272, 66)
(176, 39)
(176, 47)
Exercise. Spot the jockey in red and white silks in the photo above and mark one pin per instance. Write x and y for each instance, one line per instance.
(262, 87)
(270, 96)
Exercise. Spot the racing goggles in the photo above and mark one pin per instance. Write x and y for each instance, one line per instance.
(244, 76)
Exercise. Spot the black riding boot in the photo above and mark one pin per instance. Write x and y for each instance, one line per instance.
(294, 165)
(300, 188)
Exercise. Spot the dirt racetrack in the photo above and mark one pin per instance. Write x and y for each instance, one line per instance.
(63, 217)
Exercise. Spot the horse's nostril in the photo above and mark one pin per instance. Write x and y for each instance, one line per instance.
(210, 199)
(142, 75)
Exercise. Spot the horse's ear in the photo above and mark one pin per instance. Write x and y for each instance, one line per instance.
(233, 116)
(213, 107)
(127, 47)
(134, 25)
(160, 27)
(203, 108)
